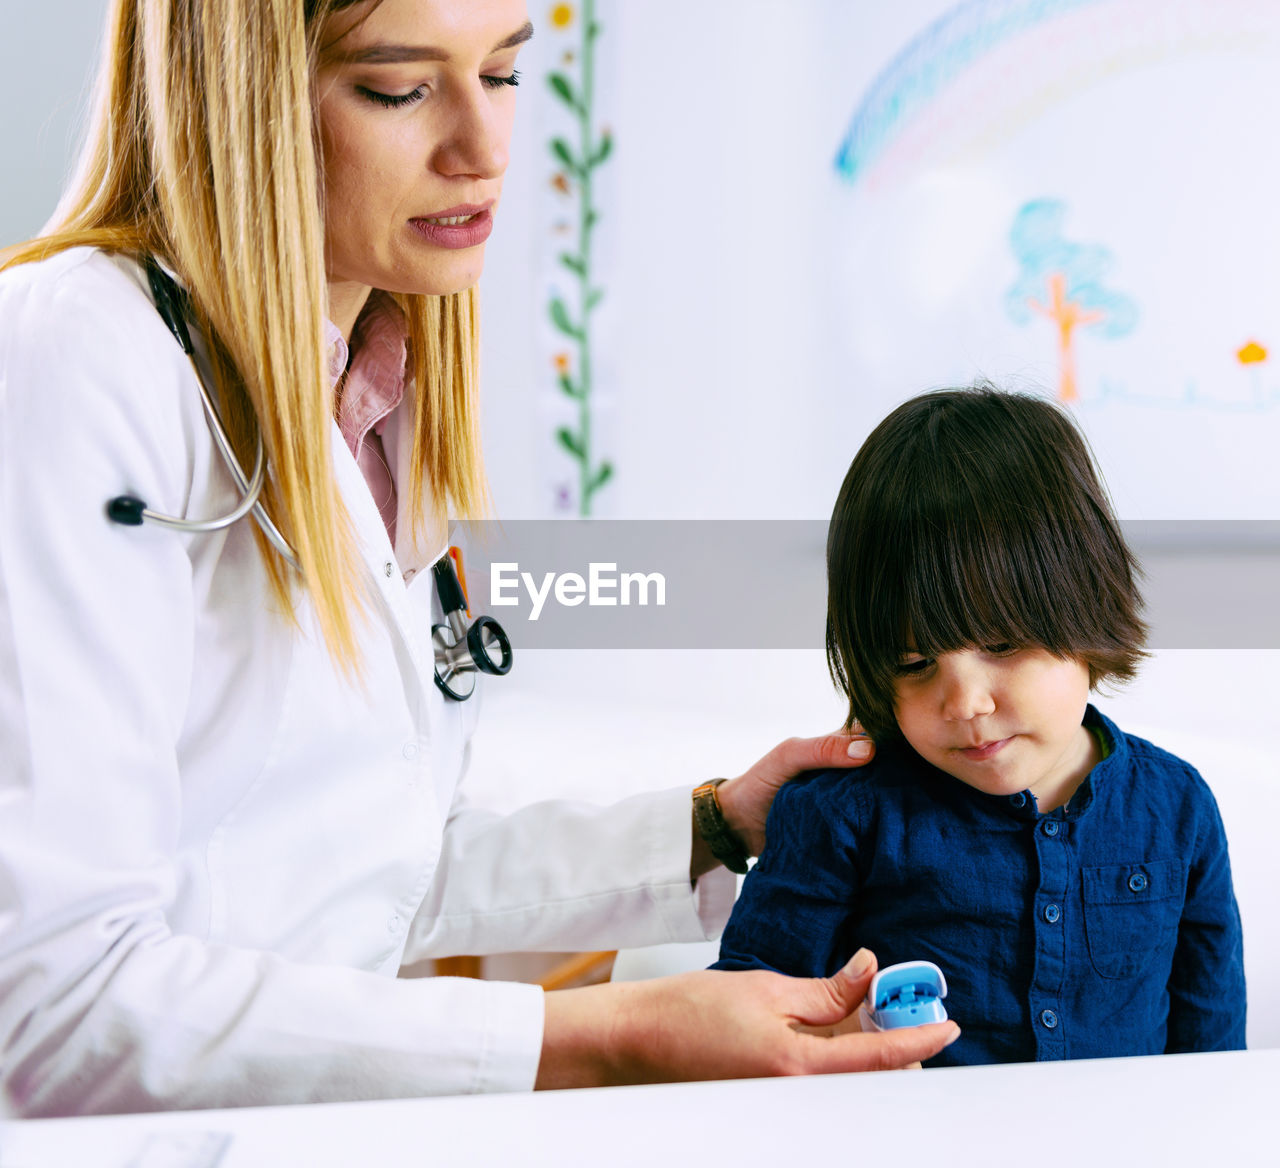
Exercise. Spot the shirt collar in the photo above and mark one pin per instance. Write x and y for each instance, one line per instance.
(375, 368)
(1117, 757)
(1019, 804)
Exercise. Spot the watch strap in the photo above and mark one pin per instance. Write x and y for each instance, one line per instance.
(709, 821)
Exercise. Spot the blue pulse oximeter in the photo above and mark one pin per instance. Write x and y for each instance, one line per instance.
(909, 994)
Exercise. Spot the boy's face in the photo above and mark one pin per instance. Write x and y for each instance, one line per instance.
(1002, 720)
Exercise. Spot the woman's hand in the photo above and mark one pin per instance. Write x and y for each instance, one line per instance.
(716, 1025)
(745, 801)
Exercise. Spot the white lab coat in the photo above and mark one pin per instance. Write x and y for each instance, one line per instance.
(216, 852)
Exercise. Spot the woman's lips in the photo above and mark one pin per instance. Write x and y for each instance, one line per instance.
(458, 227)
(982, 753)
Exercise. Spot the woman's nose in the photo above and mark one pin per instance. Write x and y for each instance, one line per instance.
(966, 691)
(478, 142)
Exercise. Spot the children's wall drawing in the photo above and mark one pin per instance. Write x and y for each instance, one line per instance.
(1079, 197)
(577, 148)
(1063, 283)
(708, 285)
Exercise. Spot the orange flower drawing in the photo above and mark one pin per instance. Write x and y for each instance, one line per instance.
(1251, 354)
(561, 182)
(561, 362)
(562, 15)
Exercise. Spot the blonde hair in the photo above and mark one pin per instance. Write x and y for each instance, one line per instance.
(202, 150)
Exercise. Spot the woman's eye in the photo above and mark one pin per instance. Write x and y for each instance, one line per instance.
(1003, 649)
(392, 100)
(496, 82)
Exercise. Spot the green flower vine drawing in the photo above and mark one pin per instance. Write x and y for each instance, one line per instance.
(577, 163)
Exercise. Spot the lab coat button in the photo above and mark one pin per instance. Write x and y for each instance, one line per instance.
(393, 923)
(389, 568)
(410, 751)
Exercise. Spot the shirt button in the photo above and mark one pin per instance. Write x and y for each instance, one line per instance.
(1138, 882)
(1048, 1019)
(389, 569)
(393, 923)
(410, 751)
(1051, 827)
(1052, 913)
(1018, 800)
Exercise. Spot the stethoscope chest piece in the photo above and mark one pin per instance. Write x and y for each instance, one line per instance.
(461, 650)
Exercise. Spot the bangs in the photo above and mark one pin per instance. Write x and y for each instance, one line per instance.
(937, 586)
(971, 519)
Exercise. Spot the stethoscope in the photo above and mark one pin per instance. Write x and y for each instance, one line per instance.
(460, 650)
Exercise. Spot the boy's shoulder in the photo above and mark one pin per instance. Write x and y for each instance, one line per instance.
(1151, 773)
(895, 767)
(1142, 753)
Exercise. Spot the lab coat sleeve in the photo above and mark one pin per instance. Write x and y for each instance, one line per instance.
(102, 1006)
(563, 875)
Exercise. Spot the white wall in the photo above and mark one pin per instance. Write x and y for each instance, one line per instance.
(47, 54)
(761, 314)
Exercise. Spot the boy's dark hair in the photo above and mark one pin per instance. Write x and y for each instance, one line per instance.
(974, 517)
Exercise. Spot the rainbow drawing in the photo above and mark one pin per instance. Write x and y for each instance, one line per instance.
(988, 68)
(930, 63)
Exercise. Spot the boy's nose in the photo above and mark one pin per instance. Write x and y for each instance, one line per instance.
(966, 692)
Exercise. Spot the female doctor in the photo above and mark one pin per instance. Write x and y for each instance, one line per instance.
(231, 806)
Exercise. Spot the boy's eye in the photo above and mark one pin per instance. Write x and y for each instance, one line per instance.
(1003, 649)
(914, 667)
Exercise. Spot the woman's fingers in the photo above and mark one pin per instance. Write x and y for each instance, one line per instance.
(746, 800)
(883, 1050)
(717, 1025)
(796, 755)
(836, 1019)
(833, 999)
(838, 997)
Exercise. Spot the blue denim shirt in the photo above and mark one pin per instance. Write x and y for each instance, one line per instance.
(1107, 927)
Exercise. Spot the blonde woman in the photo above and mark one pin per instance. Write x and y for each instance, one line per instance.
(230, 809)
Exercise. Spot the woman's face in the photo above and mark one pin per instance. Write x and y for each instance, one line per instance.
(415, 101)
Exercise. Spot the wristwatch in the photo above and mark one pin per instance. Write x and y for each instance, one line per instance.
(710, 823)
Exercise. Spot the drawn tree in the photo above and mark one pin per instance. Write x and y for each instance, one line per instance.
(1062, 282)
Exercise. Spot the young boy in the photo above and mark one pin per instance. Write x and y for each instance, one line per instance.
(1071, 881)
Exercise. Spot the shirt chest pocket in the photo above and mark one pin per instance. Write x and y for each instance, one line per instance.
(1131, 914)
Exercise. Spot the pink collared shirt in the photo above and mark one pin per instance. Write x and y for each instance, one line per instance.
(375, 379)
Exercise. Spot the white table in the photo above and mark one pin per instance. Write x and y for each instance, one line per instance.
(1211, 1109)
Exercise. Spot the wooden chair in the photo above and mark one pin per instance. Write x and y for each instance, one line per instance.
(577, 970)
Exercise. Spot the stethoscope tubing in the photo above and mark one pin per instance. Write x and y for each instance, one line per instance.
(169, 300)
(459, 651)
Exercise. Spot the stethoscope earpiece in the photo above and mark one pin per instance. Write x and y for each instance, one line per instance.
(126, 509)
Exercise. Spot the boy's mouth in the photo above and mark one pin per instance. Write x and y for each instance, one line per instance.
(985, 750)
